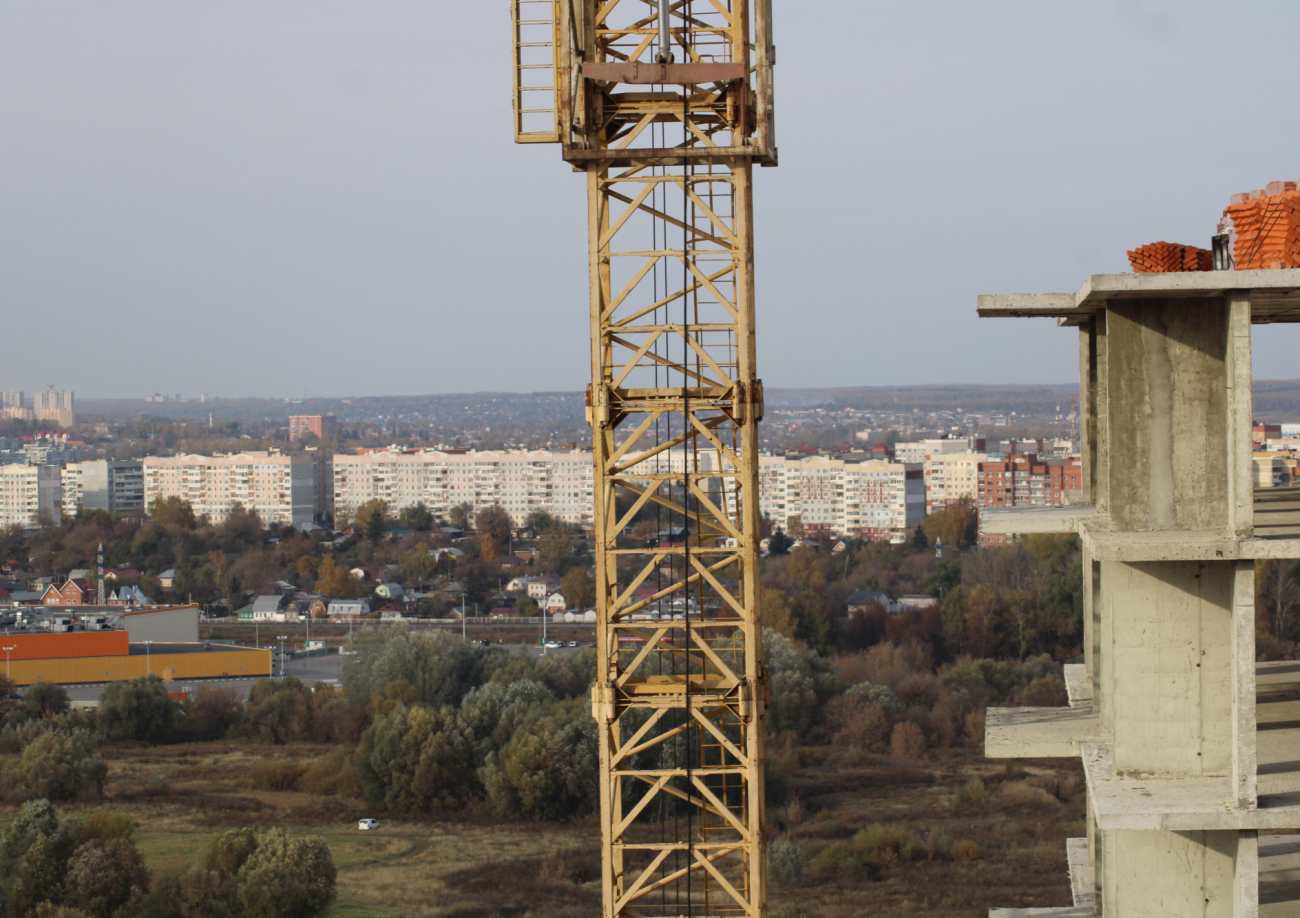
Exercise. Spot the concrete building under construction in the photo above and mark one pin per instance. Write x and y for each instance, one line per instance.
(1189, 745)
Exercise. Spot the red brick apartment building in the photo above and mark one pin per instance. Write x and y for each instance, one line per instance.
(1026, 481)
(324, 426)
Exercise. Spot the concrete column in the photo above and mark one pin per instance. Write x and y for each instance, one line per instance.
(1241, 484)
(1173, 875)
(1172, 670)
(1245, 759)
(1167, 414)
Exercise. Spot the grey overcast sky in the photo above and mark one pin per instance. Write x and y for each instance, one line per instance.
(289, 197)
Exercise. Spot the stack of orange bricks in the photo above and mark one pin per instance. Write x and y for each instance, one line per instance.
(1162, 257)
(1266, 227)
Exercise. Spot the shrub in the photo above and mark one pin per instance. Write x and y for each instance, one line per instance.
(867, 728)
(971, 792)
(1045, 692)
(550, 770)
(967, 850)
(785, 862)
(61, 766)
(835, 862)
(331, 774)
(880, 844)
(869, 693)
(280, 775)
(907, 741)
(287, 876)
(940, 845)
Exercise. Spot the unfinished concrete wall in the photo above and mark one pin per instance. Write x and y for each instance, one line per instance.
(1168, 414)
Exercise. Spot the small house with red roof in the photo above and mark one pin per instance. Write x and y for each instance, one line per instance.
(78, 591)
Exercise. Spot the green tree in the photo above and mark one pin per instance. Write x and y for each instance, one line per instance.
(102, 874)
(417, 758)
(556, 544)
(579, 588)
(417, 518)
(371, 518)
(458, 515)
(173, 512)
(46, 699)
(493, 523)
(549, 770)
(418, 564)
(139, 709)
(539, 521)
(62, 766)
(780, 543)
(38, 878)
(288, 877)
(277, 709)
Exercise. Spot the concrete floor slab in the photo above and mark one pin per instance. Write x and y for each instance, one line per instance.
(1065, 911)
(1038, 733)
(1078, 685)
(1279, 876)
(1176, 805)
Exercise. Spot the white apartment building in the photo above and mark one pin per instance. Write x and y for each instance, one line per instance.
(559, 482)
(282, 489)
(870, 498)
(29, 494)
(46, 399)
(920, 450)
(951, 477)
(115, 486)
(11, 399)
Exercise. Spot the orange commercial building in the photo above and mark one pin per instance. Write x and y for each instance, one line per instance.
(107, 656)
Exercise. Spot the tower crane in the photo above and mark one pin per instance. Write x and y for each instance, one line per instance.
(665, 106)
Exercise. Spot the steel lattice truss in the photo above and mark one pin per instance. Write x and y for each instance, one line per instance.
(668, 150)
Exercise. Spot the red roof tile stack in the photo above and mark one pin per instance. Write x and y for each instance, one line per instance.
(1265, 225)
(1163, 257)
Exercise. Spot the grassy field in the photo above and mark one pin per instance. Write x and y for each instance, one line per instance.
(479, 867)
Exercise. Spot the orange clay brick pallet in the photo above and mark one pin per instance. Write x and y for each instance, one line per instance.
(1165, 257)
(1265, 227)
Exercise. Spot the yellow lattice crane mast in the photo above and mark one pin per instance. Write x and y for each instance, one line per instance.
(666, 105)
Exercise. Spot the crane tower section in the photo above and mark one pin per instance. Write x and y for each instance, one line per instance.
(665, 106)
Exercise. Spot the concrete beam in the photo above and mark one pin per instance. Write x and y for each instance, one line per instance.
(1083, 885)
(1038, 733)
(1275, 294)
(1015, 520)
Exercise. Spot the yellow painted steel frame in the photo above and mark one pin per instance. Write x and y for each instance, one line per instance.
(674, 404)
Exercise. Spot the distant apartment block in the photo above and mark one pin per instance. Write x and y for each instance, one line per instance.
(558, 482)
(921, 450)
(29, 494)
(1027, 481)
(282, 489)
(115, 486)
(869, 498)
(12, 400)
(322, 426)
(56, 406)
(951, 478)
